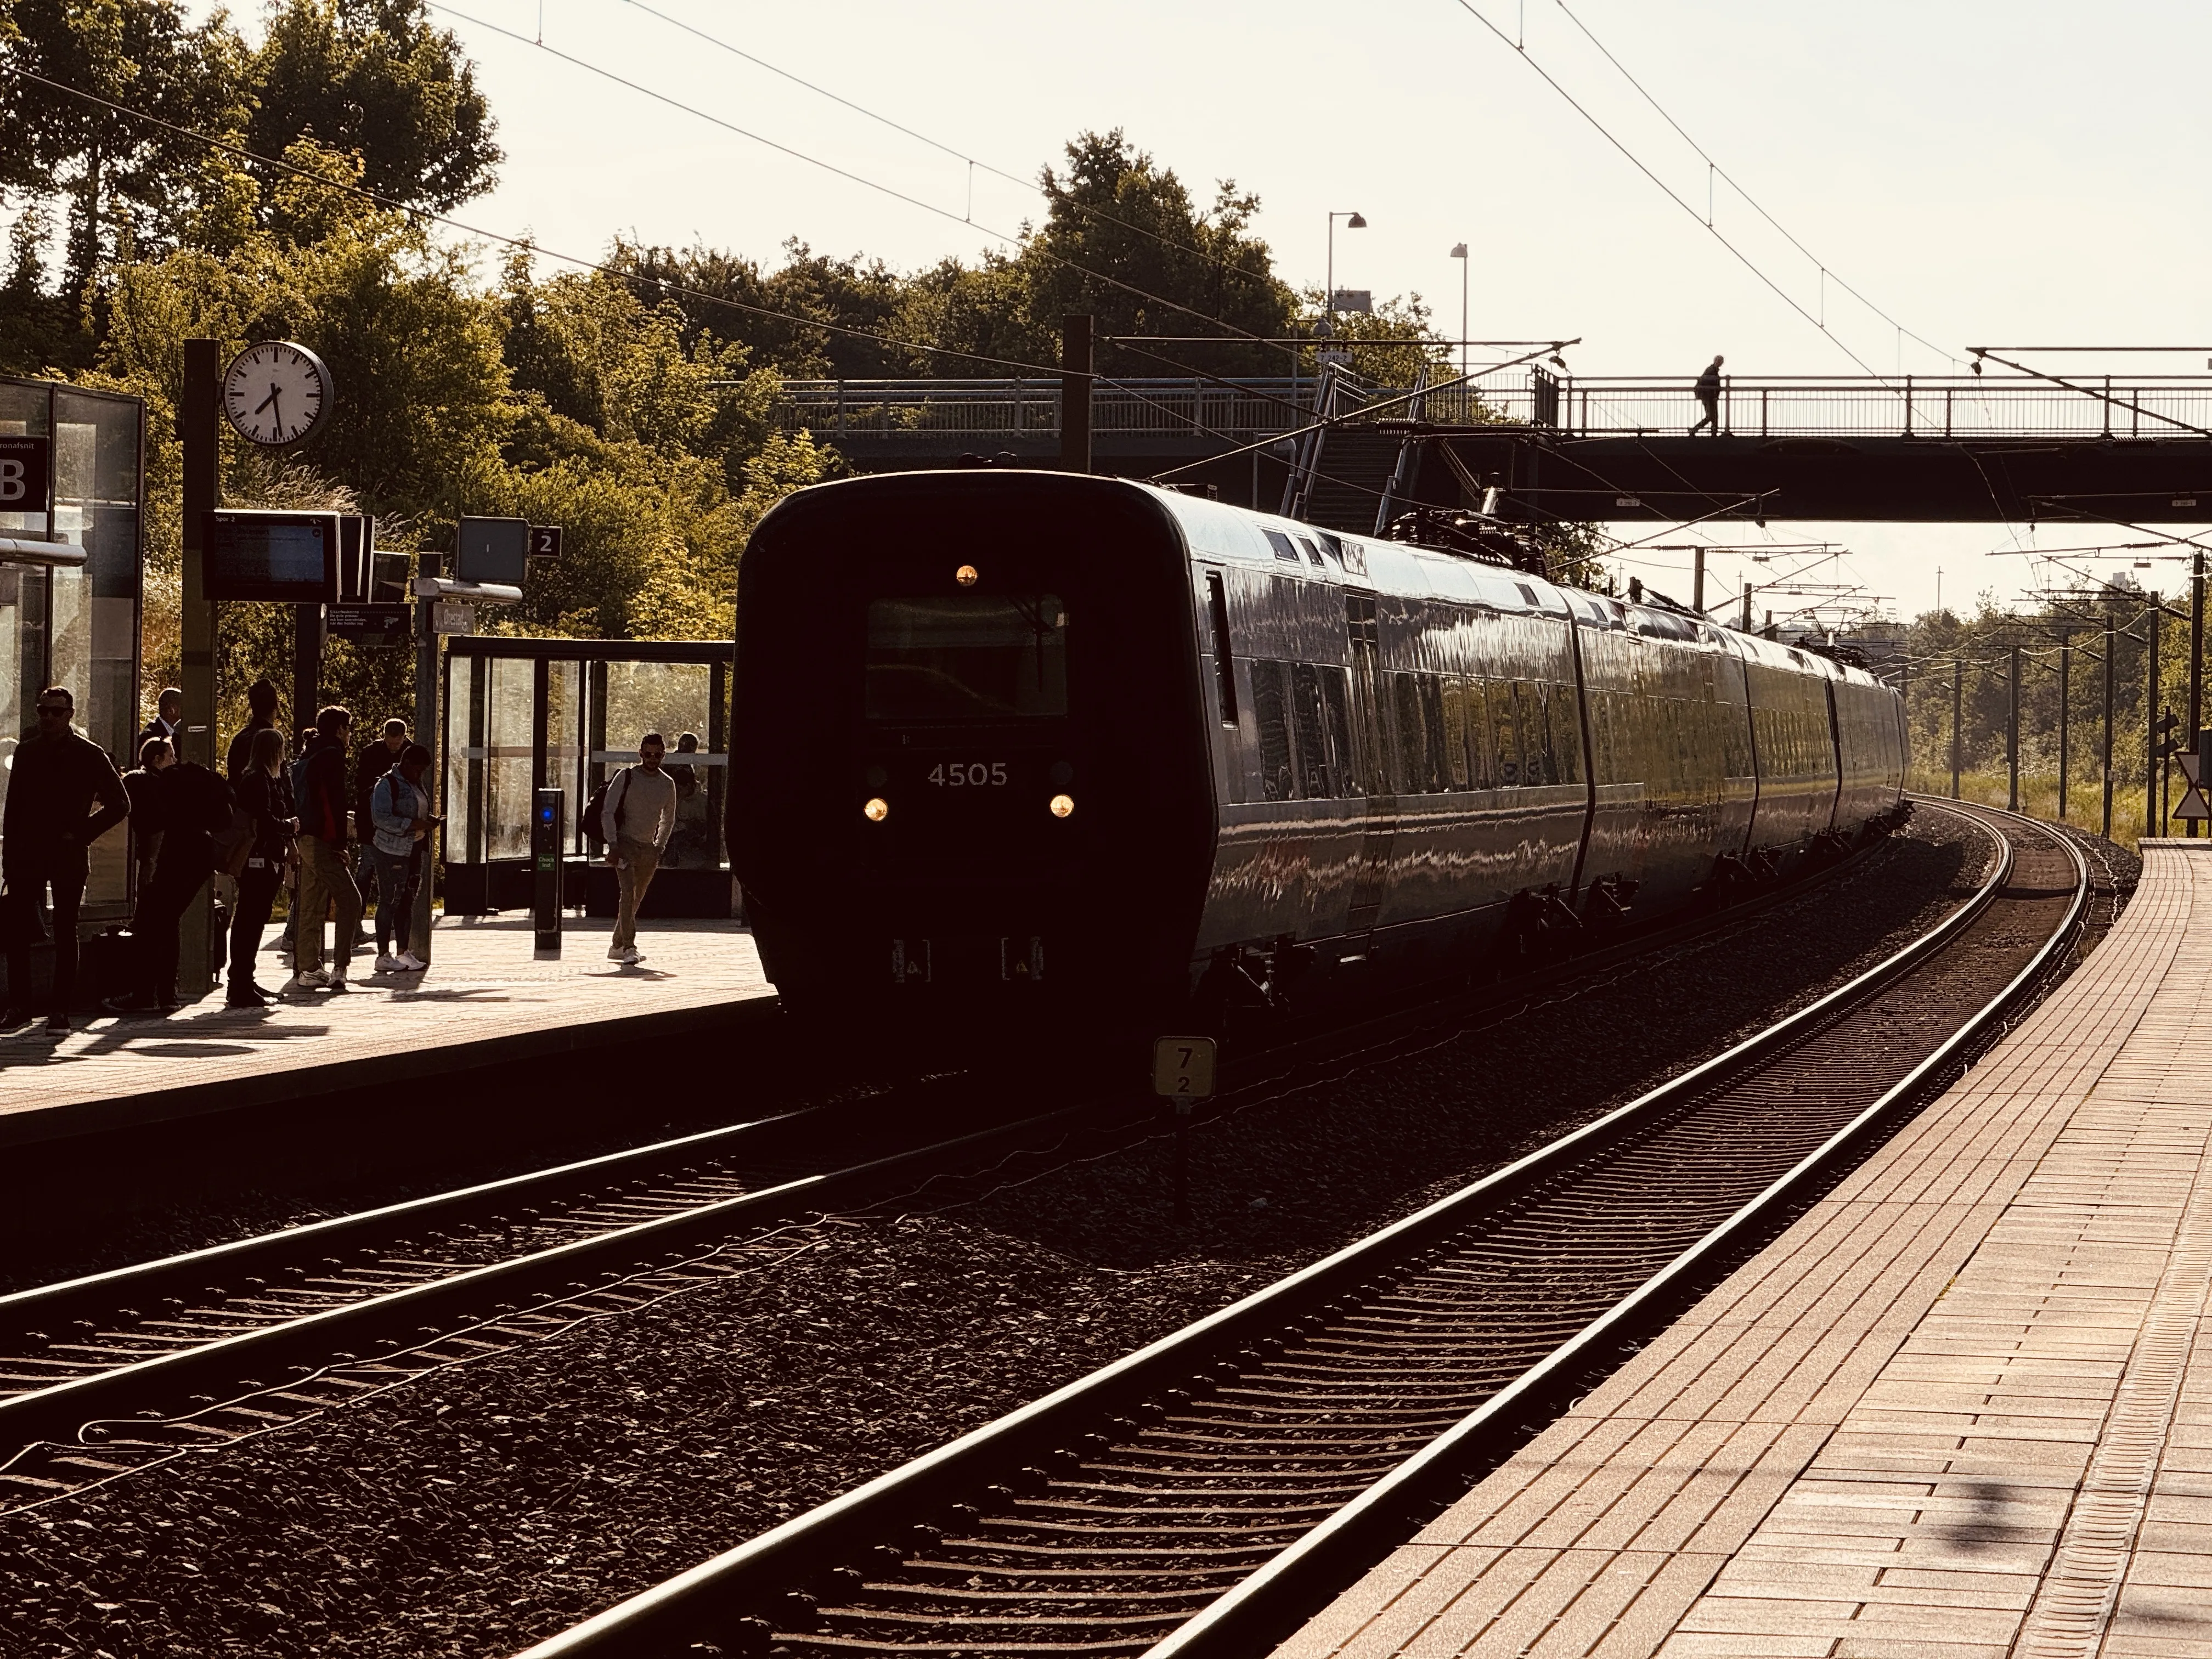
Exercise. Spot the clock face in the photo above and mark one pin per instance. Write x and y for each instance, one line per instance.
(275, 392)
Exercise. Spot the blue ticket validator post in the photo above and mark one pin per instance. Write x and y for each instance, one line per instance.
(549, 839)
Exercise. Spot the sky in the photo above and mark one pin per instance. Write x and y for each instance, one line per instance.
(1994, 173)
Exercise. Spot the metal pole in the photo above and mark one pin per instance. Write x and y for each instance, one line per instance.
(1075, 394)
(2012, 735)
(2196, 656)
(2112, 646)
(1698, 582)
(1746, 624)
(2150, 727)
(306, 663)
(198, 411)
(2065, 708)
(1958, 703)
(430, 732)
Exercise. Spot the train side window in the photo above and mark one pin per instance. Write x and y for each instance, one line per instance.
(1224, 665)
(1529, 721)
(1566, 733)
(1337, 706)
(1406, 709)
(1313, 553)
(1281, 543)
(1437, 767)
(1481, 762)
(1309, 730)
(1506, 734)
(1456, 723)
(1270, 707)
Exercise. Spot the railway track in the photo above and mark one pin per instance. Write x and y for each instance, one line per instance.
(1198, 1497)
(104, 1374)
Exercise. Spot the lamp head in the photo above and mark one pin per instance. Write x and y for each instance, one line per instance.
(1355, 223)
(1459, 251)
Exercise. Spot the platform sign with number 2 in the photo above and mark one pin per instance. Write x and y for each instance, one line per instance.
(1183, 1069)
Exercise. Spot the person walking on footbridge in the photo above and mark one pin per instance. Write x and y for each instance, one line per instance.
(1709, 393)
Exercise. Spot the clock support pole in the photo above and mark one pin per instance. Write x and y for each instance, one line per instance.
(198, 411)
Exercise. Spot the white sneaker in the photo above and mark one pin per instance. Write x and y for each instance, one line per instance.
(337, 979)
(633, 956)
(617, 953)
(315, 979)
(388, 964)
(408, 963)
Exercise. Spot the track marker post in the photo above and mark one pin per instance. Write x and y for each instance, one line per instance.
(1182, 1071)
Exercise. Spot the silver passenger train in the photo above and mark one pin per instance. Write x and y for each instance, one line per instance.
(1011, 744)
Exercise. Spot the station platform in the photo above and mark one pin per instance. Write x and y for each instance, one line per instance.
(1962, 1407)
(484, 1002)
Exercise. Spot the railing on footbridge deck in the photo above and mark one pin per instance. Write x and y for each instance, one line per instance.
(1903, 406)
(1243, 410)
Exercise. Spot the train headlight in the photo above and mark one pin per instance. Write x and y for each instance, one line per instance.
(1062, 805)
(876, 810)
(967, 576)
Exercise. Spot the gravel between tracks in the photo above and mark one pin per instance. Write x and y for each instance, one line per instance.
(485, 1506)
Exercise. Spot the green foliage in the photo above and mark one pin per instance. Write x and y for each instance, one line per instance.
(1976, 651)
(373, 79)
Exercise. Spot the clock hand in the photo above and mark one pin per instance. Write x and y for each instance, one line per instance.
(267, 401)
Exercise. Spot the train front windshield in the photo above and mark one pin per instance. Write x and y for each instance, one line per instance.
(967, 657)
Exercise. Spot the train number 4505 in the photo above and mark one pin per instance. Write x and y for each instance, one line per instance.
(974, 775)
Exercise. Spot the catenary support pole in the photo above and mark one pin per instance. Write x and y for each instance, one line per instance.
(2012, 735)
(2112, 649)
(1744, 624)
(2150, 718)
(2065, 710)
(1075, 384)
(1957, 707)
(2195, 657)
(199, 412)
(1697, 580)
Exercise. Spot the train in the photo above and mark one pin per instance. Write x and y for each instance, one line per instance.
(1012, 749)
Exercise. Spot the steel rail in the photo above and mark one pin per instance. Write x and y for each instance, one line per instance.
(718, 1592)
(97, 1303)
(1231, 1626)
(40, 1414)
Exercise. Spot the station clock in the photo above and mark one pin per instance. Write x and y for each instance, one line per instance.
(276, 393)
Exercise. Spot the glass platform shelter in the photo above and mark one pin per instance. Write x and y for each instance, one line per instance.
(75, 621)
(523, 715)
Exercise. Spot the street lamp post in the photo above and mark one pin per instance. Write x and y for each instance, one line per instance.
(1351, 222)
(1459, 252)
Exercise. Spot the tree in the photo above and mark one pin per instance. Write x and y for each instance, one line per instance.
(374, 78)
(125, 180)
(1123, 241)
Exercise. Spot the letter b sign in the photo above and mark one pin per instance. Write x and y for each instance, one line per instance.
(23, 475)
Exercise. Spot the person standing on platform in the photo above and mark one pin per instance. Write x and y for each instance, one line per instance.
(194, 804)
(399, 808)
(639, 814)
(168, 717)
(1709, 393)
(368, 770)
(321, 791)
(142, 783)
(261, 711)
(54, 778)
(264, 790)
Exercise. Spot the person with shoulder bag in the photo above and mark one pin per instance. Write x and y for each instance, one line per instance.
(399, 813)
(264, 793)
(635, 820)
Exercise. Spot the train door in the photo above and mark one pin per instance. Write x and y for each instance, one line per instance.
(1380, 821)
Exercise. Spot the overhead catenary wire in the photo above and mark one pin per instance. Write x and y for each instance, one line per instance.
(395, 204)
(1715, 169)
(1233, 332)
(973, 162)
(1672, 194)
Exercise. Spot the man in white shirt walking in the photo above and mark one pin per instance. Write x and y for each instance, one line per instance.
(639, 814)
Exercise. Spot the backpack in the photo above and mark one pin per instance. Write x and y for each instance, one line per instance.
(233, 843)
(595, 810)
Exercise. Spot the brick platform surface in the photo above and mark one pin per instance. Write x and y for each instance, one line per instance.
(483, 999)
(1963, 1407)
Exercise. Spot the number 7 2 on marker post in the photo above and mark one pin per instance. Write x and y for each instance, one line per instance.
(1182, 1069)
